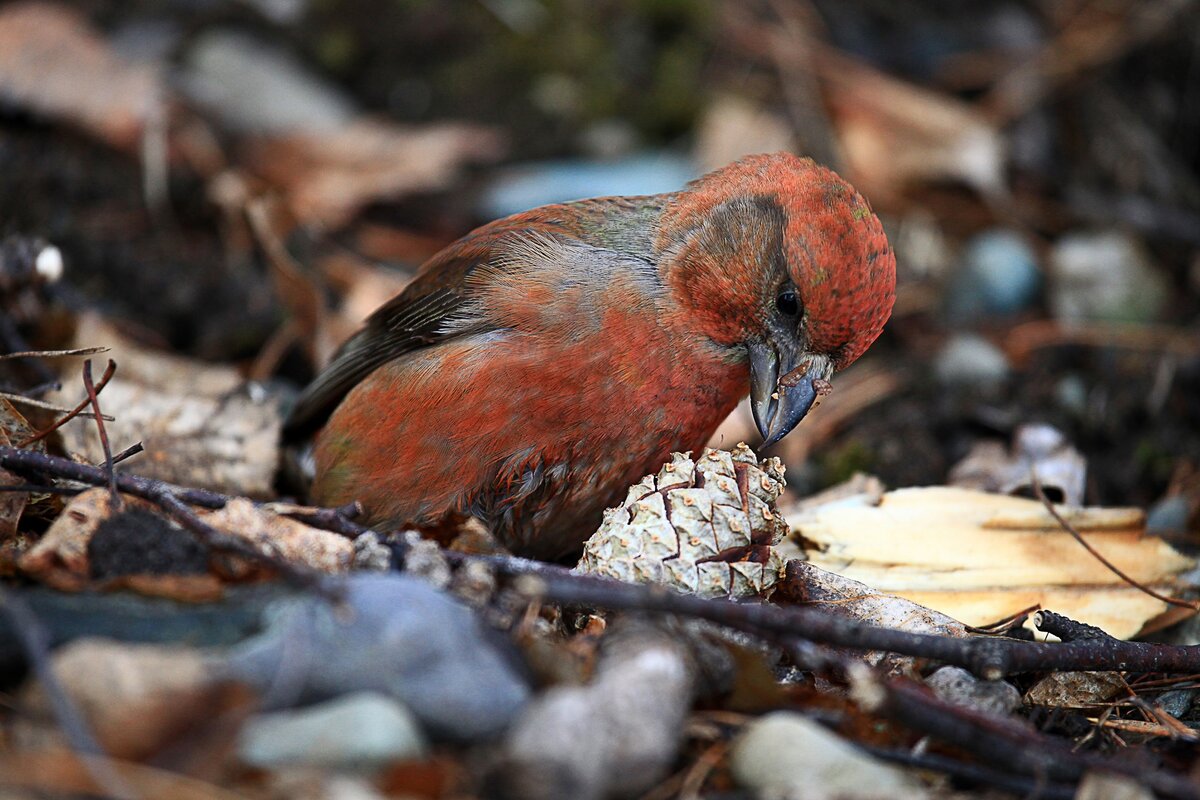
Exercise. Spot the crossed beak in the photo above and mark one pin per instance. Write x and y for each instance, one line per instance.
(779, 406)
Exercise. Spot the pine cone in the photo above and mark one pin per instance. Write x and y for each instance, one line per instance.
(705, 526)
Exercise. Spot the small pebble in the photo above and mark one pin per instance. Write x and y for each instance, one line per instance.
(787, 755)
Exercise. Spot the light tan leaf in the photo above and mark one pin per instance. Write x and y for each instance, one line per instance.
(980, 557)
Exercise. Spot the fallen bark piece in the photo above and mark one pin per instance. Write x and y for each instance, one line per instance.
(787, 756)
(980, 557)
(617, 736)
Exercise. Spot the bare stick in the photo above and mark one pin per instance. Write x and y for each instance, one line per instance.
(128, 452)
(990, 657)
(90, 386)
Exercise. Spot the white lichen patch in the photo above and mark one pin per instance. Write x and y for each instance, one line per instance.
(705, 526)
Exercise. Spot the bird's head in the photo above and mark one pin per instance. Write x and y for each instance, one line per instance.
(779, 258)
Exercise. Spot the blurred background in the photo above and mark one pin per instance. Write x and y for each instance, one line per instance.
(244, 180)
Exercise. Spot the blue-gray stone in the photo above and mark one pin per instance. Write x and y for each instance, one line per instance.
(537, 184)
(999, 275)
(1169, 515)
(395, 635)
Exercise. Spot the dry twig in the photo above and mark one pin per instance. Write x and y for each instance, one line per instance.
(1077, 536)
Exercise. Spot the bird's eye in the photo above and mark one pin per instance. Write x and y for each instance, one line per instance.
(787, 303)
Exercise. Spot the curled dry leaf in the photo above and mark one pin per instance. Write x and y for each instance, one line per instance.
(54, 64)
(1039, 450)
(706, 526)
(1076, 689)
(981, 557)
(895, 134)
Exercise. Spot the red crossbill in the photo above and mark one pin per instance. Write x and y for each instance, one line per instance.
(538, 366)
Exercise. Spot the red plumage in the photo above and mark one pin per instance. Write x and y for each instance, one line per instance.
(540, 365)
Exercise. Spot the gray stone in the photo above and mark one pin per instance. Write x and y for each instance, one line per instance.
(970, 359)
(787, 755)
(396, 635)
(1169, 515)
(356, 731)
(1104, 277)
(956, 685)
(254, 87)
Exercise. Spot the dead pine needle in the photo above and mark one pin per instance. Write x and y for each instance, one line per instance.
(81, 351)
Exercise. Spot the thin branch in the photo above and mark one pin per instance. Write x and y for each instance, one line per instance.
(104, 379)
(1001, 740)
(1067, 629)
(990, 657)
(1113, 568)
(128, 452)
(90, 386)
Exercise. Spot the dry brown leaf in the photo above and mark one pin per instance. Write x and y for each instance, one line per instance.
(54, 64)
(894, 134)
(135, 697)
(153, 369)
(61, 772)
(979, 557)
(13, 429)
(1075, 689)
(292, 541)
(201, 425)
(733, 127)
(329, 177)
(60, 558)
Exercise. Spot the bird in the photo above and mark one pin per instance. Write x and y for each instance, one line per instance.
(537, 367)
